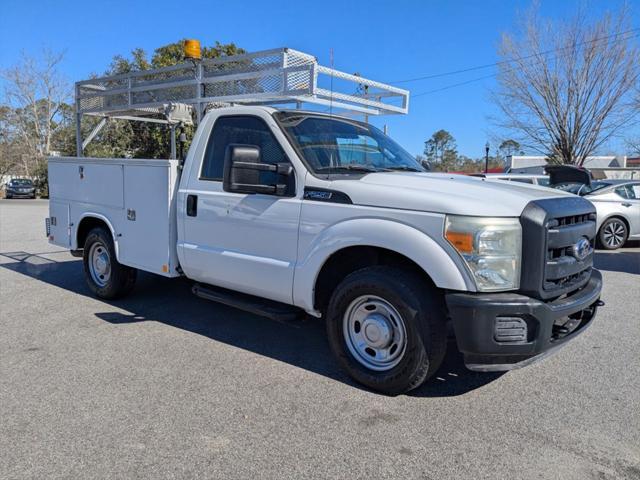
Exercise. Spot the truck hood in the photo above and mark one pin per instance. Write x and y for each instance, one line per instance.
(443, 193)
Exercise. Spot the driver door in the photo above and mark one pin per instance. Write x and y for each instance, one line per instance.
(245, 242)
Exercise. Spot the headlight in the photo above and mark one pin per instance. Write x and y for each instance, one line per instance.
(491, 248)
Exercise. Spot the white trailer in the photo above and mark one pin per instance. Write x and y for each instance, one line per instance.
(286, 211)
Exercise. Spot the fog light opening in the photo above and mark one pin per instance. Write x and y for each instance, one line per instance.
(510, 330)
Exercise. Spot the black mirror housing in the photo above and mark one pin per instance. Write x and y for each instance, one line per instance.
(242, 167)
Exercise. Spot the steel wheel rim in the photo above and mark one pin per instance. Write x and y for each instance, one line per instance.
(99, 264)
(374, 332)
(614, 234)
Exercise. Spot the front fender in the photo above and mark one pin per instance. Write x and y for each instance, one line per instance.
(375, 232)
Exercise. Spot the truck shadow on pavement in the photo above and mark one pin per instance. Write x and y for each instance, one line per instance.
(622, 260)
(302, 343)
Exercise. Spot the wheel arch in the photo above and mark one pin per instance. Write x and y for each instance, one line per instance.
(350, 259)
(618, 216)
(354, 244)
(89, 221)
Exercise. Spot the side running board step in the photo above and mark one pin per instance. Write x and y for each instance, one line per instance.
(280, 312)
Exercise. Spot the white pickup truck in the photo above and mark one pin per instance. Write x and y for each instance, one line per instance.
(282, 212)
(331, 216)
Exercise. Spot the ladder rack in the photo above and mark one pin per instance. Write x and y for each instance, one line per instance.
(180, 93)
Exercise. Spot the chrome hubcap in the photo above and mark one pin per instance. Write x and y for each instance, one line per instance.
(99, 264)
(614, 234)
(374, 332)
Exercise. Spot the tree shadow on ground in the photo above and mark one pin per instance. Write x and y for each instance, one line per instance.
(170, 301)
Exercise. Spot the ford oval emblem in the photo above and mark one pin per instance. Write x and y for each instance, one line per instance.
(581, 249)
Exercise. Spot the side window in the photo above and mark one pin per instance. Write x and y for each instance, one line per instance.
(622, 192)
(633, 191)
(245, 130)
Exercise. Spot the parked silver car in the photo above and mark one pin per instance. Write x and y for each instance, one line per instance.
(618, 205)
(529, 178)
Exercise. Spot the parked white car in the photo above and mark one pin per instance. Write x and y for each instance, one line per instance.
(618, 205)
(531, 179)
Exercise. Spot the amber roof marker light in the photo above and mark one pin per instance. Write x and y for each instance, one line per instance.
(191, 49)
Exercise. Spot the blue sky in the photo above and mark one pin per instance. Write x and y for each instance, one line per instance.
(383, 40)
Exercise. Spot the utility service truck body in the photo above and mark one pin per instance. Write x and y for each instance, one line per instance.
(285, 211)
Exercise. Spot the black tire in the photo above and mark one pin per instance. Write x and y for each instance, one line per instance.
(120, 279)
(422, 310)
(8, 196)
(613, 234)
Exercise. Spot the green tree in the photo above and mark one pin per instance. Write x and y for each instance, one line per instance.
(509, 147)
(140, 139)
(441, 150)
(171, 54)
(468, 165)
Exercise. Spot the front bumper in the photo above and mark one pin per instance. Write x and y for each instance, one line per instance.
(549, 325)
(15, 194)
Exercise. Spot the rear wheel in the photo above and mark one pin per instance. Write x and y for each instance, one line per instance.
(386, 327)
(106, 277)
(613, 234)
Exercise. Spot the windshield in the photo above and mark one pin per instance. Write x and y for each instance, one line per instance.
(598, 186)
(21, 182)
(337, 145)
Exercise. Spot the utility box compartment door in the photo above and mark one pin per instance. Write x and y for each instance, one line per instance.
(91, 182)
(58, 224)
(147, 229)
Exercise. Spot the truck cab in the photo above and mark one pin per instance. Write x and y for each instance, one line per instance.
(279, 211)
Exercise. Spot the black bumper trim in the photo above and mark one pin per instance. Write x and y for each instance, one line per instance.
(474, 315)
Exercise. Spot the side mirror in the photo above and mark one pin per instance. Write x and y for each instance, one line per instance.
(242, 167)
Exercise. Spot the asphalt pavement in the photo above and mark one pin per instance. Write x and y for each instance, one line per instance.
(166, 385)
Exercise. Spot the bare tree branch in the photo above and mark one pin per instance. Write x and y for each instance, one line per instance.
(568, 104)
(34, 92)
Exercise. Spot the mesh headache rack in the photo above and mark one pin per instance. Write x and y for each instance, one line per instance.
(182, 93)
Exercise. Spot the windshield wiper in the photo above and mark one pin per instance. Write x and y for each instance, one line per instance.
(403, 168)
(350, 167)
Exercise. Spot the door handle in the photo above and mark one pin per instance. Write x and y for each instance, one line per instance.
(626, 204)
(192, 205)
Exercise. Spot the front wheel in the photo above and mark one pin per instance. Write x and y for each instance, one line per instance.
(106, 277)
(613, 234)
(386, 327)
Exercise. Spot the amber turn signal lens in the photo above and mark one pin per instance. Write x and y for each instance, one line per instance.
(463, 242)
(192, 50)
